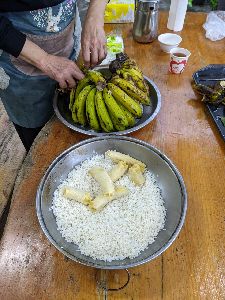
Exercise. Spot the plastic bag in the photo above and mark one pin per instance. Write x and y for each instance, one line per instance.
(215, 25)
(114, 45)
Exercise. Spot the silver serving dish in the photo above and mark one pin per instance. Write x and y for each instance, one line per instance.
(169, 180)
(61, 108)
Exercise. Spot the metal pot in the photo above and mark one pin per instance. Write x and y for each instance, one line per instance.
(145, 26)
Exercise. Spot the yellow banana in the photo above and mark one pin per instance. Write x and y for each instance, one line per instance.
(97, 78)
(127, 75)
(103, 115)
(81, 84)
(130, 104)
(117, 124)
(72, 98)
(129, 116)
(114, 109)
(79, 105)
(74, 117)
(91, 113)
(130, 63)
(137, 73)
(132, 90)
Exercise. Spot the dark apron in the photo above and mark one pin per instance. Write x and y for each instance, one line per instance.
(26, 93)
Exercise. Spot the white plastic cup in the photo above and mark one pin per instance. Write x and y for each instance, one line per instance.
(178, 62)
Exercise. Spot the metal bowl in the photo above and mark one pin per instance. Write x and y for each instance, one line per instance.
(169, 180)
(61, 108)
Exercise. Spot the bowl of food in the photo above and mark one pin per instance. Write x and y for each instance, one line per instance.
(168, 41)
(116, 100)
(111, 202)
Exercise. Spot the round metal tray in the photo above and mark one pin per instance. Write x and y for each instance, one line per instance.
(168, 177)
(61, 108)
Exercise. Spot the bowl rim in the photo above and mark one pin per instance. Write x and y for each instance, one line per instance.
(170, 35)
(129, 265)
(119, 133)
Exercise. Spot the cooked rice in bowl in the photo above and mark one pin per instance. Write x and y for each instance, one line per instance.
(124, 228)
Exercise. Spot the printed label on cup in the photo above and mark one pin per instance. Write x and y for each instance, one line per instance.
(178, 60)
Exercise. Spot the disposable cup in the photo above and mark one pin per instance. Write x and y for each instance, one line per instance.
(178, 60)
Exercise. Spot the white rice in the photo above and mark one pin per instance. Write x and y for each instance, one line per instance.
(123, 229)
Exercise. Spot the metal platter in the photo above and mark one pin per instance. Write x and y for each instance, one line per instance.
(168, 177)
(61, 108)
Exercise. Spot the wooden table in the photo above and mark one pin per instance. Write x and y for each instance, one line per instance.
(193, 267)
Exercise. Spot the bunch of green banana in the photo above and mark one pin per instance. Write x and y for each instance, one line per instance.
(130, 104)
(128, 69)
(110, 106)
(131, 90)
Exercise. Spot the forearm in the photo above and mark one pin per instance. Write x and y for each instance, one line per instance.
(96, 10)
(11, 39)
(59, 68)
(33, 54)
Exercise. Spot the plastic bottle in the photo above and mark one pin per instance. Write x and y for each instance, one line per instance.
(177, 14)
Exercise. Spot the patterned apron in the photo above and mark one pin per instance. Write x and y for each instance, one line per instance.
(25, 91)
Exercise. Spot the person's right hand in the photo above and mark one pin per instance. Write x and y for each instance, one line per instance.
(61, 69)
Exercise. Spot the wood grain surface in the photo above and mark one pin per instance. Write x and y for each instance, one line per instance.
(12, 154)
(193, 267)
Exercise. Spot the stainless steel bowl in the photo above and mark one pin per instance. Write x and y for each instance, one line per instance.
(169, 180)
(61, 108)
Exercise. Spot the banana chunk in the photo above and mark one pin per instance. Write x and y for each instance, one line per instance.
(104, 180)
(118, 171)
(102, 200)
(117, 156)
(77, 195)
(136, 175)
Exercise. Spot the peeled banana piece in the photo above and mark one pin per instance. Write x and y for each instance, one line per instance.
(104, 180)
(102, 200)
(77, 195)
(91, 113)
(133, 106)
(131, 90)
(102, 112)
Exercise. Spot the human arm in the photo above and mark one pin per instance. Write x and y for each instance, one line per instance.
(11, 39)
(93, 41)
(59, 68)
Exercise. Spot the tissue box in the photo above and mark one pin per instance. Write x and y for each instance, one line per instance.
(120, 11)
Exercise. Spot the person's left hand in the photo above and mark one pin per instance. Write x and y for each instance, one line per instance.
(93, 42)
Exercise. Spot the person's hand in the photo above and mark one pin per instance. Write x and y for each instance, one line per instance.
(62, 70)
(58, 68)
(93, 43)
(93, 40)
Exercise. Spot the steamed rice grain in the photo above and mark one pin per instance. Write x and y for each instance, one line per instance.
(123, 229)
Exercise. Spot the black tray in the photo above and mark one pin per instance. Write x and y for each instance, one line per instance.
(202, 76)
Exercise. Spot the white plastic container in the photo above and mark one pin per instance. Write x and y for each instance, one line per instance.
(177, 14)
